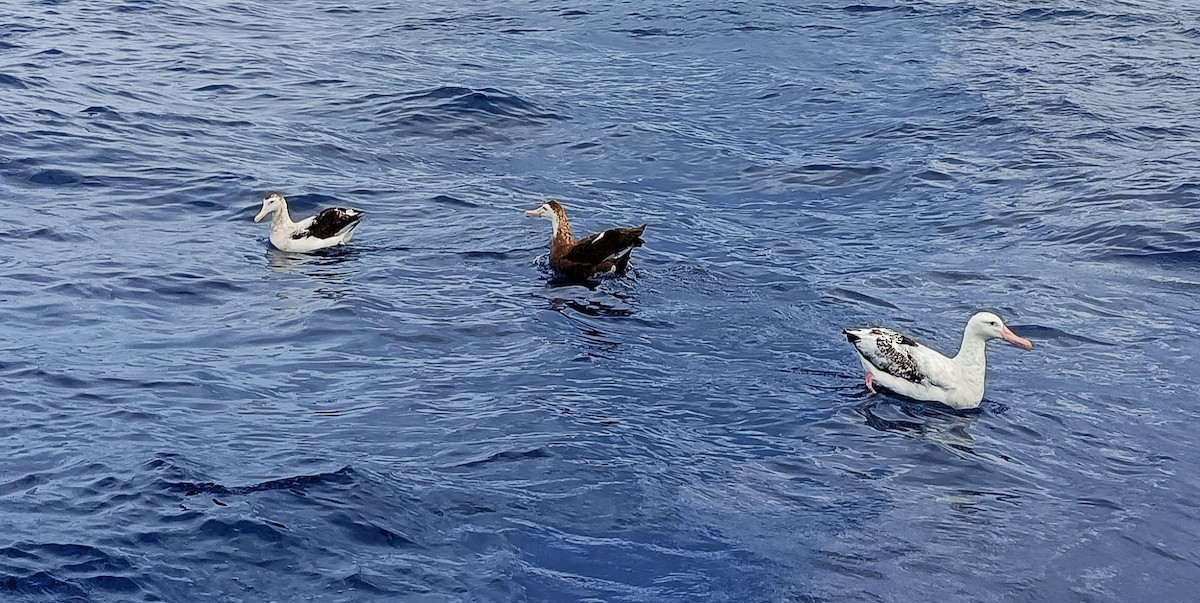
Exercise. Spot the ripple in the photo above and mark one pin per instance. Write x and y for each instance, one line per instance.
(817, 175)
(453, 201)
(452, 111)
(217, 88)
(101, 111)
(76, 570)
(873, 8)
(298, 483)
(1054, 13)
(11, 81)
(57, 177)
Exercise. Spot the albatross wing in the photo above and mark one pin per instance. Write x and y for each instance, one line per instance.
(329, 223)
(896, 354)
(605, 246)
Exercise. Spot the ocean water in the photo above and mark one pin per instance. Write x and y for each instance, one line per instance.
(429, 415)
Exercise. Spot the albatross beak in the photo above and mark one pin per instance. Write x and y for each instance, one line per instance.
(262, 214)
(1012, 338)
(534, 213)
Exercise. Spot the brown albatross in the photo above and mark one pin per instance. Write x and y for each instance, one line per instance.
(605, 252)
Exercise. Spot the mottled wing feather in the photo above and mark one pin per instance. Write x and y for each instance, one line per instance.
(893, 353)
(329, 223)
(605, 246)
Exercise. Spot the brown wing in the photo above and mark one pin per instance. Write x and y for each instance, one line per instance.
(605, 246)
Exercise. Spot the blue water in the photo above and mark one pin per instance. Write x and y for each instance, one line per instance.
(428, 416)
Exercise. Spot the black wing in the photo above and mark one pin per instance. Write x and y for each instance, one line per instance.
(605, 246)
(330, 222)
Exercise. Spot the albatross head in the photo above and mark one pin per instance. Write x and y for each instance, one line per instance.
(549, 210)
(272, 202)
(986, 325)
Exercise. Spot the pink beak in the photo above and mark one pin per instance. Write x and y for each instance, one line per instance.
(534, 213)
(1012, 338)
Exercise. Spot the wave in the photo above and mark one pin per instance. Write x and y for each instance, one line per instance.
(451, 111)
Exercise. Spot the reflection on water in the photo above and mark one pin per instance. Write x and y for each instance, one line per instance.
(590, 307)
(948, 428)
(586, 297)
(283, 261)
(587, 307)
(328, 266)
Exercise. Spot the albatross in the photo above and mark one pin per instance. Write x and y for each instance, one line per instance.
(333, 226)
(605, 252)
(911, 369)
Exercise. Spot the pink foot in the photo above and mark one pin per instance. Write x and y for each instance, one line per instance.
(870, 378)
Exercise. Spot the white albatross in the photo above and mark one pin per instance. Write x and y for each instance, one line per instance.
(910, 369)
(333, 226)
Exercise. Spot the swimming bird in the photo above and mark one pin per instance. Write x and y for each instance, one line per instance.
(333, 226)
(910, 369)
(601, 253)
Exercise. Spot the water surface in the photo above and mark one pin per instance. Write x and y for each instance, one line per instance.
(427, 415)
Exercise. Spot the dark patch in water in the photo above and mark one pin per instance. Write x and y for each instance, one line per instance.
(56, 178)
(11, 81)
(344, 475)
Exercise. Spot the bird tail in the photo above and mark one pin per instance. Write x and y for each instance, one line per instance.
(623, 262)
(347, 231)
